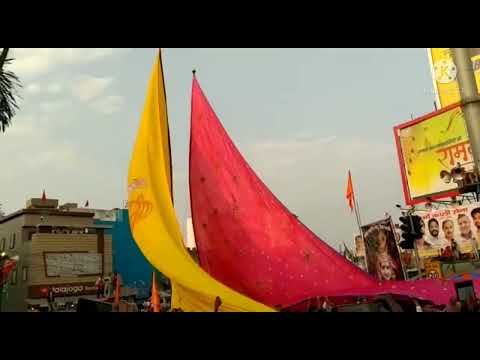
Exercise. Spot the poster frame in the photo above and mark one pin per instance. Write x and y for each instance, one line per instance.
(406, 189)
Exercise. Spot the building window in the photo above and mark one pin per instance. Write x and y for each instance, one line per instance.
(2, 244)
(30, 234)
(12, 241)
(24, 273)
(14, 277)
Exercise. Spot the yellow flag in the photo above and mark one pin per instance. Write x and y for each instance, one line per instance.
(152, 217)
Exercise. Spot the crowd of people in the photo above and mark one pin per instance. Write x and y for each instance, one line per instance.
(106, 286)
(387, 303)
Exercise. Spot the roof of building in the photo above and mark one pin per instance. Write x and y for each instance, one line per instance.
(45, 212)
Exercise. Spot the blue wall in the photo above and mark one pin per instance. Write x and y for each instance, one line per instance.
(128, 260)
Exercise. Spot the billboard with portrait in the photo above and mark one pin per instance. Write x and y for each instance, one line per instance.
(382, 254)
(428, 149)
(453, 227)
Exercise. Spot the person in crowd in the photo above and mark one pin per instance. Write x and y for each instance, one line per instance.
(471, 304)
(453, 305)
(434, 231)
(108, 286)
(477, 305)
(218, 303)
(51, 299)
(455, 250)
(382, 304)
(100, 286)
(116, 279)
(147, 305)
(328, 304)
(418, 308)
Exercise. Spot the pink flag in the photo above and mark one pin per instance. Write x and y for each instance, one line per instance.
(245, 237)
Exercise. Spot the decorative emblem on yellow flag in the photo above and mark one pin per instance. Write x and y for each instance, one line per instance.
(139, 209)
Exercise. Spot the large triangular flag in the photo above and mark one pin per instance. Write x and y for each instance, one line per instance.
(156, 304)
(152, 217)
(246, 238)
(44, 197)
(349, 194)
(86, 204)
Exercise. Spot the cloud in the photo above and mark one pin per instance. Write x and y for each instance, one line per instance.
(54, 88)
(32, 88)
(38, 158)
(35, 62)
(53, 106)
(314, 175)
(87, 88)
(40, 89)
(109, 104)
(21, 126)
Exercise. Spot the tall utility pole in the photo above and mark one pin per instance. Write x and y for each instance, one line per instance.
(470, 99)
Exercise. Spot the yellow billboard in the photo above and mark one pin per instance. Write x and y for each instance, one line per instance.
(428, 146)
(444, 74)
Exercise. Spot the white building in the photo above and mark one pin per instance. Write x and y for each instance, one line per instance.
(189, 239)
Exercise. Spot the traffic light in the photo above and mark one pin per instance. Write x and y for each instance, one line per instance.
(417, 226)
(411, 230)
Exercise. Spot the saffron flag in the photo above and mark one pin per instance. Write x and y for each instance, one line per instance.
(349, 194)
(246, 238)
(44, 197)
(152, 217)
(156, 304)
(118, 290)
(5, 271)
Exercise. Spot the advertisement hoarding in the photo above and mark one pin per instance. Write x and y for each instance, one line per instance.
(444, 74)
(382, 254)
(454, 227)
(58, 264)
(429, 147)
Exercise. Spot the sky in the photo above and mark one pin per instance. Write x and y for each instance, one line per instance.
(301, 117)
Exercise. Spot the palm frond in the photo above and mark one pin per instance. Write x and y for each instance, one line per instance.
(9, 84)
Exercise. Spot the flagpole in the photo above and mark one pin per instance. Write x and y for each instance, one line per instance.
(357, 210)
(358, 219)
(357, 207)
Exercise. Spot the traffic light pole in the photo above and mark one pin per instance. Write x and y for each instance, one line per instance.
(2, 263)
(470, 99)
(415, 249)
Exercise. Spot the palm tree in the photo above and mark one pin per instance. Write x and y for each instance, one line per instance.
(9, 83)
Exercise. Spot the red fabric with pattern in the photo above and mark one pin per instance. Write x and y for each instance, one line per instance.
(245, 237)
(249, 241)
